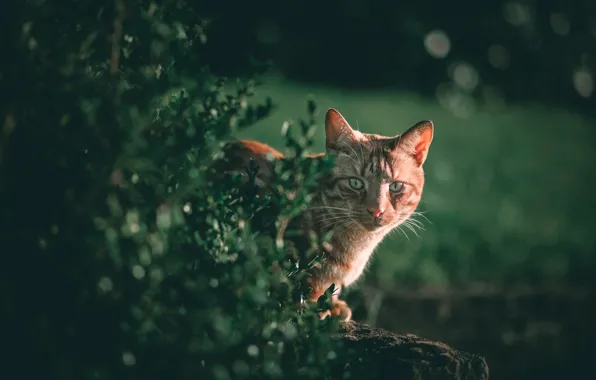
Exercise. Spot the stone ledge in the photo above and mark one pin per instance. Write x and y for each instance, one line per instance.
(379, 354)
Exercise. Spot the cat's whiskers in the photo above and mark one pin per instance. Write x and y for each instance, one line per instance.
(335, 211)
(343, 226)
(329, 219)
(400, 229)
(420, 214)
(410, 223)
(328, 208)
(405, 223)
(415, 223)
(411, 227)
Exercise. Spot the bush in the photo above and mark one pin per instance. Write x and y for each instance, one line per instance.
(121, 259)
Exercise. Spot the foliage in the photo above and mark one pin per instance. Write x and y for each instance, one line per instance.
(121, 259)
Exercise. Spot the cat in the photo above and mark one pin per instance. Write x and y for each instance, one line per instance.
(375, 185)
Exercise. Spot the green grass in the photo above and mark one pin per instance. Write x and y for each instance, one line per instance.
(509, 192)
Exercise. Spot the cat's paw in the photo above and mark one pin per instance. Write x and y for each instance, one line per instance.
(338, 309)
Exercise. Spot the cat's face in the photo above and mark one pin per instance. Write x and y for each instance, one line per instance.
(377, 181)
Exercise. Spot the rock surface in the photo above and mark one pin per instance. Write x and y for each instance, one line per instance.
(379, 354)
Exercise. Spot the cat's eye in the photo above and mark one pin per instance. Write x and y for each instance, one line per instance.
(396, 187)
(356, 183)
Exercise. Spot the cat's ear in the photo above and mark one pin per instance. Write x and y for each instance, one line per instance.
(417, 139)
(337, 129)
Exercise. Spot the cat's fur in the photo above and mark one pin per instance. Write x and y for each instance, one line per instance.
(357, 201)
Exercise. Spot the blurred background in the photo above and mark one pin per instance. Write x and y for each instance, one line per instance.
(506, 263)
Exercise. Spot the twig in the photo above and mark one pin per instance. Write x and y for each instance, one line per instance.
(117, 36)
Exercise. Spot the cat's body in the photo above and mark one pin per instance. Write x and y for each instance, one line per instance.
(375, 186)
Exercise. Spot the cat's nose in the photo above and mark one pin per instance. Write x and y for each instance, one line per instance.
(376, 212)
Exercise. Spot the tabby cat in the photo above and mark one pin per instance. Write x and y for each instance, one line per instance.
(375, 185)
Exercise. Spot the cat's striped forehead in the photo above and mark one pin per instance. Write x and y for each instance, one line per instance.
(369, 159)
